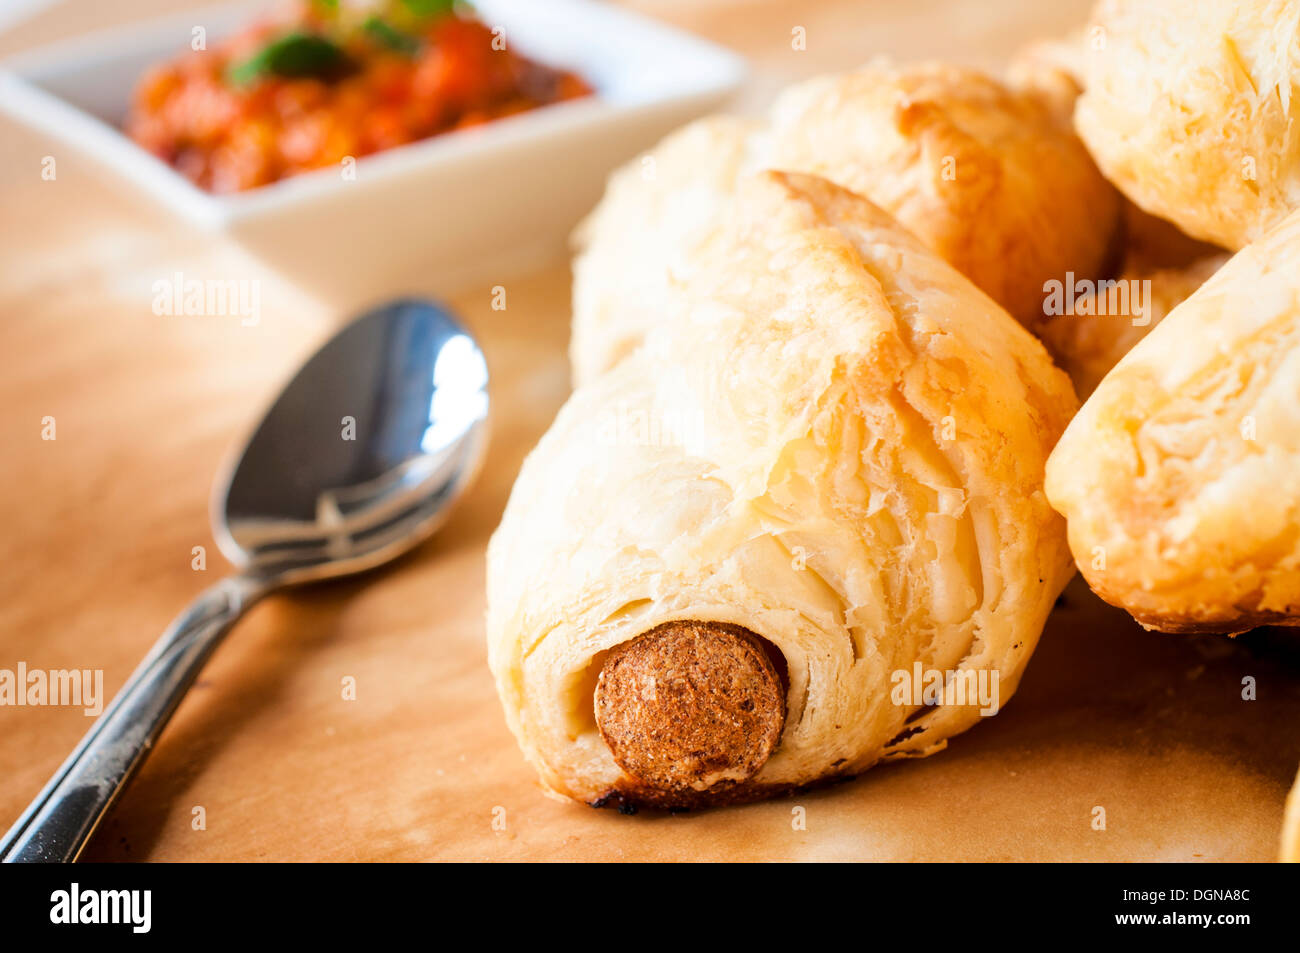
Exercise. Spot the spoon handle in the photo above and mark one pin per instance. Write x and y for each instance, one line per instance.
(57, 824)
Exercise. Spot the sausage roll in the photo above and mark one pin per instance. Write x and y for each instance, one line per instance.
(1180, 477)
(1189, 107)
(731, 564)
(992, 179)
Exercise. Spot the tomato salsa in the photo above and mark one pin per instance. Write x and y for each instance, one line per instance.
(331, 81)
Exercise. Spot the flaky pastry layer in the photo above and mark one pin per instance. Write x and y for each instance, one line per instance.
(833, 440)
(1180, 477)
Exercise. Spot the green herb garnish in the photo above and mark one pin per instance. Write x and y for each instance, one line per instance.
(429, 8)
(293, 54)
(391, 37)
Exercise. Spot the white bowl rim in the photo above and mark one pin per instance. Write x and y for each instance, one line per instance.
(22, 96)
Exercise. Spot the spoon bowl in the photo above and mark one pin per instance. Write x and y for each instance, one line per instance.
(359, 457)
(358, 460)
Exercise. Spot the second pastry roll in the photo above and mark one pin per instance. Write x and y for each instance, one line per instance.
(821, 476)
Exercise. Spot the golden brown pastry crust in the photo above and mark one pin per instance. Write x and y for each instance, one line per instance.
(992, 179)
(989, 178)
(1189, 107)
(1180, 477)
(853, 474)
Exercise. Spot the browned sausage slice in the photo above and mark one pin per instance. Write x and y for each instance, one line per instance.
(689, 705)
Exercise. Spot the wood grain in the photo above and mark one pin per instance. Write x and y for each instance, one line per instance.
(99, 526)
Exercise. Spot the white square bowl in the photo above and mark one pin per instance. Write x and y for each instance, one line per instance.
(461, 208)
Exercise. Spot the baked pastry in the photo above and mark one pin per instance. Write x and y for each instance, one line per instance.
(1051, 69)
(1161, 265)
(644, 237)
(1111, 316)
(1180, 477)
(993, 180)
(1189, 106)
(819, 478)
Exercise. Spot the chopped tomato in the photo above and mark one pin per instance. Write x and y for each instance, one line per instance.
(385, 90)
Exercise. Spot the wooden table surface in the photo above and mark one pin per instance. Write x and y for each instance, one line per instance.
(100, 525)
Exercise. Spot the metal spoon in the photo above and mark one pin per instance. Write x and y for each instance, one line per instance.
(358, 460)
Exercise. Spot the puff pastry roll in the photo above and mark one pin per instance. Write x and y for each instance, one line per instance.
(1180, 477)
(992, 179)
(721, 569)
(1189, 107)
